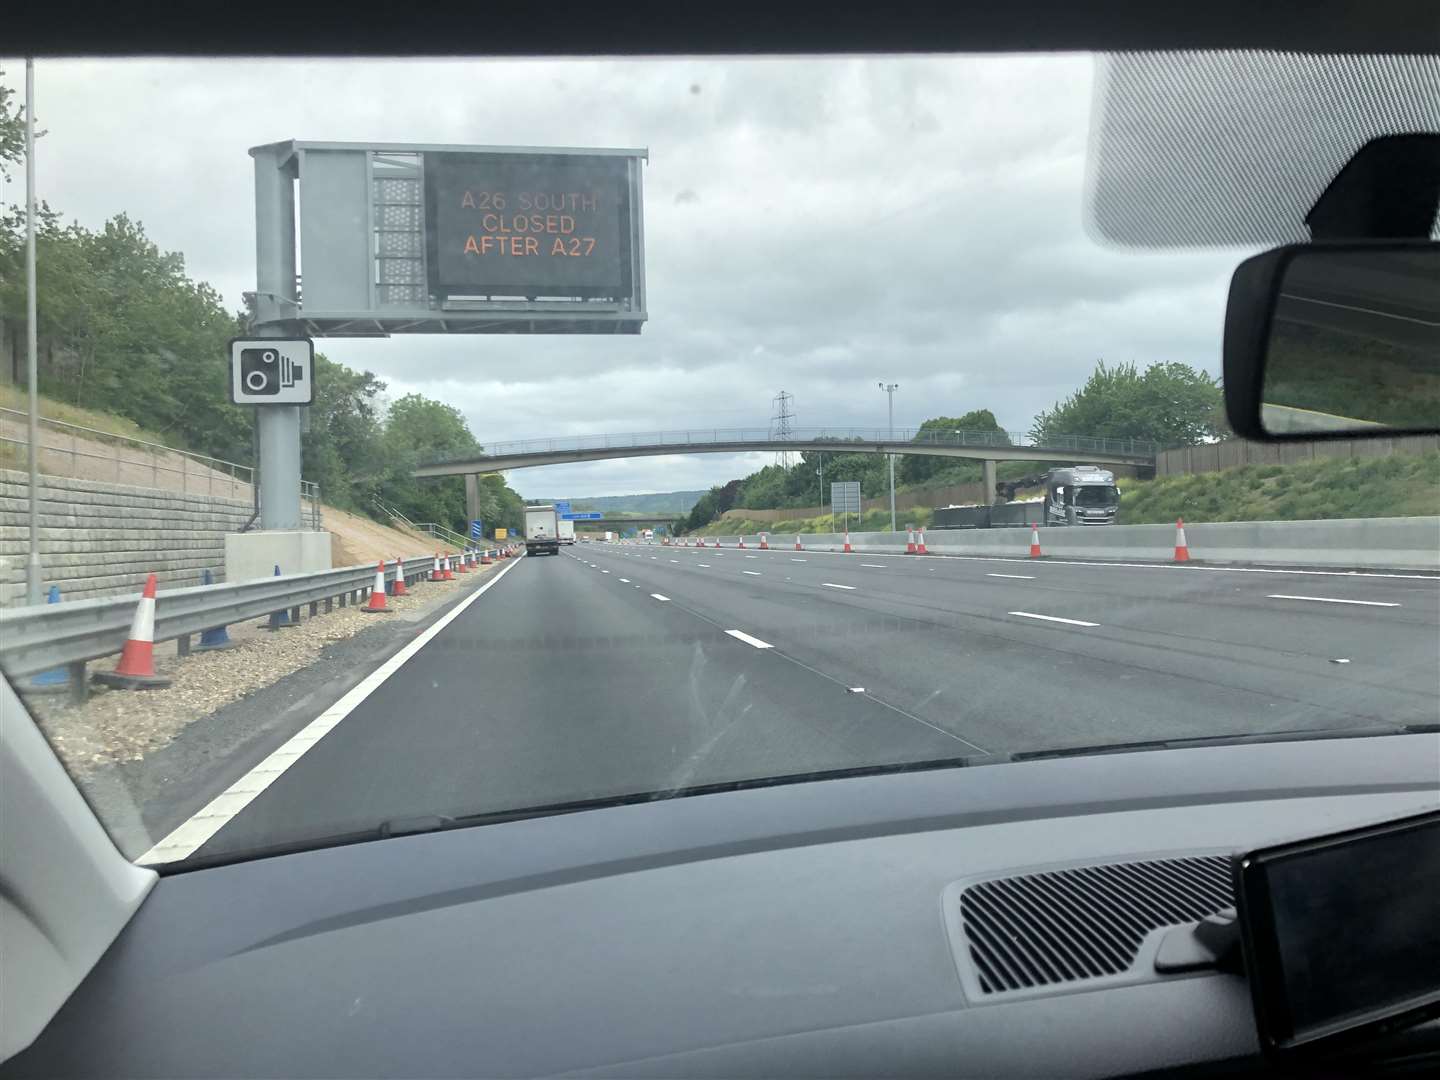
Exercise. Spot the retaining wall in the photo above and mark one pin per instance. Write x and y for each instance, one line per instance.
(99, 539)
(1400, 543)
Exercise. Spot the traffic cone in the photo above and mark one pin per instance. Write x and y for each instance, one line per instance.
(920, 548)
(279, 620)
(377, 592)
(399, 588)
(764, 542)
(846, 548)
(460, 567)
(217, 637)
(435, 574)
(702, 541)
(1182, 549)
(741, 543)
(56, 678)
(797, 543)
(136, 669)
(909, 540)
(1034, 541)
(485, 559)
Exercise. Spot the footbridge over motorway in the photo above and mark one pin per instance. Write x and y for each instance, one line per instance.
(989, 446)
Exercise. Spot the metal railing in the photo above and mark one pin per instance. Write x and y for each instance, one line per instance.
(1068, 444)
(147, 464)
(430, 528)
(44, 636)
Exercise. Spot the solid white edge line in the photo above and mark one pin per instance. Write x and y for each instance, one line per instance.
(1331, 600)
(832, 585)
(662, 599)
(1053, 618)
(184, 840)
(755, 641)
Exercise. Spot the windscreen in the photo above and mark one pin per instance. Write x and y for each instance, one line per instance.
(744, 328)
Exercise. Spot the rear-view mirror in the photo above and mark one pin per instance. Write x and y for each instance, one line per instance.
(1335, 340)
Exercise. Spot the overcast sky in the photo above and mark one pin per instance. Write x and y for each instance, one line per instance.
(810, 225)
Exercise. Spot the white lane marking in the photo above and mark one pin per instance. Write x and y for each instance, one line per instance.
(832, 585)
(626, 580)
(662, 599)
(742, 636)
(188, 837)
(706, 565)
(1331, 600)
(654, 558)
(1017, 577)
(752, 573)
(876, 565)
(1053, 618)
(798, 560)
(604, 571)
(752, 556)
(675, 560)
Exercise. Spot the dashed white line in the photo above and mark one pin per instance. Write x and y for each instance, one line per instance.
(706, 565)
(1331, 600)
(1053, 618)
(1017, 577)
(604, 571)
(740, 635)
(625, 580)
(752, 573)
(832, 585)
(675, 560)
(876, 565)
(799, 560)
(752, 556)
(662, 599)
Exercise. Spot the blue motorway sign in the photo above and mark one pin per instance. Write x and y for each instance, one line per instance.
(593, 515)
(562, 506)
(477, 529)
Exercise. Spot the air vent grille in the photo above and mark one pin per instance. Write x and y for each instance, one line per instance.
(1086, 922)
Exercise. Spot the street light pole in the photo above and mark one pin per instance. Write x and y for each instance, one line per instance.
(890, 389)
(32, 359)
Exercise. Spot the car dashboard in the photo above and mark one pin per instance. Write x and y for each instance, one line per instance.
(990, 921)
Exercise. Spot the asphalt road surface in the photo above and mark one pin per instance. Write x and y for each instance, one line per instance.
(621, 668)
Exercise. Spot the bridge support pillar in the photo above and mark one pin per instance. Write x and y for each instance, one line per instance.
(472, 496)
(987, 472)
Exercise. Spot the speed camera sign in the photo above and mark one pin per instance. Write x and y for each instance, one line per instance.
(272, 371)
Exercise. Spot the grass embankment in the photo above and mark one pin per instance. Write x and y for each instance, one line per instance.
(1400, 485)
(15, 397)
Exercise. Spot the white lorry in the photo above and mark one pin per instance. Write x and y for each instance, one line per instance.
(567, 531)
(542, 533)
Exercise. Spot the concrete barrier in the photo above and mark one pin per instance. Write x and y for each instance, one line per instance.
(1400, 543)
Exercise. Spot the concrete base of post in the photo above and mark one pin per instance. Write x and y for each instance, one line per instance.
(256, 554)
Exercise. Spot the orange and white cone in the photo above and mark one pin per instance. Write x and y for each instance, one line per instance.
(847, 541)
(797, 543)
(399, 589)
(909, 540)
(435, 573)
(446, 574)
(1182, 549)
(742, 542)
(136, 669)
(920, 548)
(1034, 541)
(377, 591)
(462, 563)
(485, 559)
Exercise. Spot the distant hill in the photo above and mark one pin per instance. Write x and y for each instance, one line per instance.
(664, 502)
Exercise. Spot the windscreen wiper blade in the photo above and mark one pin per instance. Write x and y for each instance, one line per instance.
(1233, 739)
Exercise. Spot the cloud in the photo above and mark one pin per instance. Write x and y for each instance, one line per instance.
(811, 224)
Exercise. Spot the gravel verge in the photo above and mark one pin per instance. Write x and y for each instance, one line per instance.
(116, 727)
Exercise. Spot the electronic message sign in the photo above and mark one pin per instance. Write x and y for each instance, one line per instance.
(533, 226)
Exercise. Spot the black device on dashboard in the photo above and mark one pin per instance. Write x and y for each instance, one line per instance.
(1341, 933)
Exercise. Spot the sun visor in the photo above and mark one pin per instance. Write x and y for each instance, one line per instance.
(1234, 148)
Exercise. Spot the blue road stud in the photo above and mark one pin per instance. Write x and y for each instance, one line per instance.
(56, 678)
(217, 637)
(279, 620)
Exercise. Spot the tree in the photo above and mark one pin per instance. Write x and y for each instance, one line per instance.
(419, 429)
(12, 130)
(918, 468)
(1171, 403)
(344, 450)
